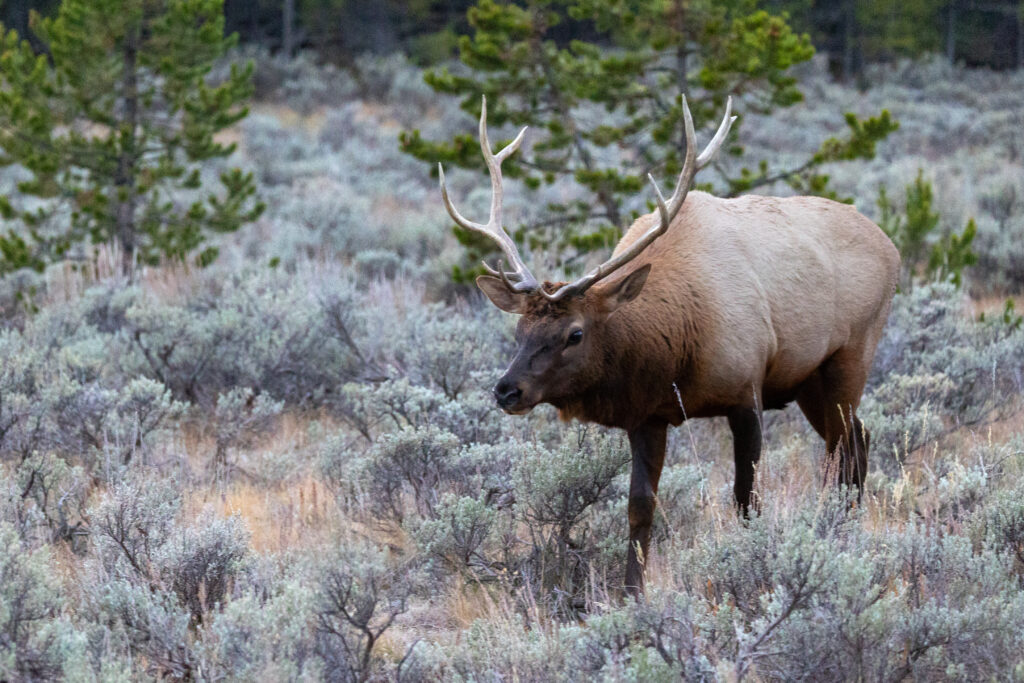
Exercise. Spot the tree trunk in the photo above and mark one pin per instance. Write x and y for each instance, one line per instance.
(951, 33)
(849, 18)
(288, 39)
(14, 15)
(1020, 35)
(124, 179)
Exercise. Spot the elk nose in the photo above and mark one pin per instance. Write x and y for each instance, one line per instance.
(506, 393)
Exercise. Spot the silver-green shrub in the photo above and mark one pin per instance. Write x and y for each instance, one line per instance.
(49, 498)
(409, 465)
(396, 404)
(200, 563)
(269, 332)
(241, 416)
(556, 492)
(494, 650)
(937, 370)
(1000, 524)
(456, 535)
(130, 524)
(31, 601)
(265, 635)
(359, 595)
(444, 350)
(140, 623)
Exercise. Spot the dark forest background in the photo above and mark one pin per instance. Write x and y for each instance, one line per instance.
(976, 33)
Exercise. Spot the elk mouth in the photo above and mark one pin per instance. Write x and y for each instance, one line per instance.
(519, 410)
(518, 405)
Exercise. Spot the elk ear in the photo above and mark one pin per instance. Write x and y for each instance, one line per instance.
(500, 296)
(626, 289)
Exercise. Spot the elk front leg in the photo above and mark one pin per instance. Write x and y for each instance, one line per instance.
(648, 446)
(746, 443)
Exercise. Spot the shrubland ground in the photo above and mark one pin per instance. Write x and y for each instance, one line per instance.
(288, 465)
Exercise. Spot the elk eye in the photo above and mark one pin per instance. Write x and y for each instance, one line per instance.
(574, 337)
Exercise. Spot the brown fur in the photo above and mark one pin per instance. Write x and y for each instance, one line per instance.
(741, 305)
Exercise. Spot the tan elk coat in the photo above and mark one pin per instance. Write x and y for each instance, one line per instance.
(707, 307)
(763, 289)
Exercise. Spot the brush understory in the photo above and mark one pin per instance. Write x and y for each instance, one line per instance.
(288, 465)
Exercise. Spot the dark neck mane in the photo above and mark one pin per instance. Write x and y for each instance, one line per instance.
(649, 344)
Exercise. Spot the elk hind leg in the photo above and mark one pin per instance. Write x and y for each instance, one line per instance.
(829, 399)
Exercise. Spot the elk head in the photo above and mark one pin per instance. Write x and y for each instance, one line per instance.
(560, 342)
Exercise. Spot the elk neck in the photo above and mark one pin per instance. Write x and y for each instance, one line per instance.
(646, 346)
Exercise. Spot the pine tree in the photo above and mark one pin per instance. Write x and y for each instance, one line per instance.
(642, 54)
(913, 233)
(113, 124)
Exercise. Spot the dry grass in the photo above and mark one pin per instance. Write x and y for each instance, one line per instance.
(466, 601)
(299, 515)
(296, 513)
(300, 512)
(172, 281)
(310, 123)
(991, 305)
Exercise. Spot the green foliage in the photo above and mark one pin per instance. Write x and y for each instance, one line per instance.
(1009, 317)
(200, 563)
(139, 543)
(54, 497)
(456, 535)
(57, 400)
(265, 634)
(131, 523)
(408, 463)
(953, 253)
(913, 231)
(913, 29)
(608, 117)
(863, 137)
(113, 123)
(265, 332)
(1001, 524)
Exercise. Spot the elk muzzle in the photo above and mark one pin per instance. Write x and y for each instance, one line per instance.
(507, 394)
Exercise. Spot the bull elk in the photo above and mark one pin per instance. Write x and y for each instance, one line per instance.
(707, 307)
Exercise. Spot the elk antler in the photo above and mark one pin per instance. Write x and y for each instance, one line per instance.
(519, 279)
(667, 211)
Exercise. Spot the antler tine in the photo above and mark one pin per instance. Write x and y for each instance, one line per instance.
(663, 212)
(666, 210)
(498, 272)
(525, 280)
(504, 276)
(689, 166)
(716, 142)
